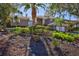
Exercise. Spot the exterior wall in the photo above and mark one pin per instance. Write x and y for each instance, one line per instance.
(47, 21)
(22, 22)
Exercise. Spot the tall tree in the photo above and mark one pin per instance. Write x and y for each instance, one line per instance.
(34, 7)
(71, 8)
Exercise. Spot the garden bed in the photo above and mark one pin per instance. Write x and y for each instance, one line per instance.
(67, 48)
(12, 45)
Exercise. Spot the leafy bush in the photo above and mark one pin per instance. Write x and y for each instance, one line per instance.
(38, 31)
(45, 30)
(76, 36)
(39, 27)
(42, 27)
(17, 30)
(69, 38)
(57, 35)
(25, 30)
(63, 36)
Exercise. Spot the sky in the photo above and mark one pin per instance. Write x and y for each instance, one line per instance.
(41, 12)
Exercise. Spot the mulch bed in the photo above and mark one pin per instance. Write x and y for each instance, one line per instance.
(17, 46)
(12, 46)
(69, 49)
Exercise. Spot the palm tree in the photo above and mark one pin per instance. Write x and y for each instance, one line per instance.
(34, 7)
(5, 11)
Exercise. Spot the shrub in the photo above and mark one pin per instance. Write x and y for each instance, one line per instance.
(45, 30)
(63, 36)
(17, 30)
(76, 36)
(39, 27)
(25, 30)
(38, 31)
(57, 35)
(69, 38)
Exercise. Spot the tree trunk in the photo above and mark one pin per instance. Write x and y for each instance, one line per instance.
(33, 13)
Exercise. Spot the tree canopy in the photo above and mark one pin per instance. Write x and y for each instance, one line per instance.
(72, 8)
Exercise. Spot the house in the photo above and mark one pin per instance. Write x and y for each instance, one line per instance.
(25, 21)
(45, 20)
(22, 21)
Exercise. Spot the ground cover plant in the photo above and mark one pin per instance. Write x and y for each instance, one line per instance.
(65, 36)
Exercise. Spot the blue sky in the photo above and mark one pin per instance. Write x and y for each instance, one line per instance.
(41, 12)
